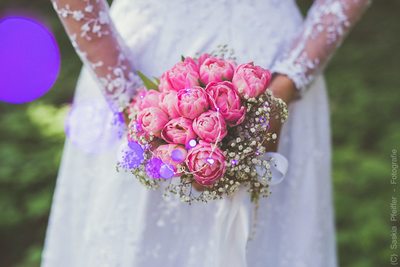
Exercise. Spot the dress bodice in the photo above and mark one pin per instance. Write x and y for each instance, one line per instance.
(256, 29)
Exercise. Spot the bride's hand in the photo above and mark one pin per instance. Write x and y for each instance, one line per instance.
(284, 88)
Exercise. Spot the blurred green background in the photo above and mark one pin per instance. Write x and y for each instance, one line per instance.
(364, 91)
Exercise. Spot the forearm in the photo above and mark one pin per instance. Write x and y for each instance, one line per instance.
(325, 27)
(93, 35)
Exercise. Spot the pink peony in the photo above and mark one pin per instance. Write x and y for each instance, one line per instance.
(214, 69)
(202, 58)
(167, 153)
(149, 99)
(183, 75)
(192, 102)
(178, 131)
(152, 120)
(223, 96)
(210, 126)
(168, 103)
(250, 80)
(206, 162)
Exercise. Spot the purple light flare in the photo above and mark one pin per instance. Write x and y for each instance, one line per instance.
(30, 60)
(134, 156)
(92, 127)
(153, 167)
(191, 144)
(136, 127)
(177, 155)
(210, 160)
(166, 171)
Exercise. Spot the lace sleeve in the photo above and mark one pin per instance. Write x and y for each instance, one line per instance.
(100, 47)
(326, 25)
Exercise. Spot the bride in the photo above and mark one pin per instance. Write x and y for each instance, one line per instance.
(101, 217)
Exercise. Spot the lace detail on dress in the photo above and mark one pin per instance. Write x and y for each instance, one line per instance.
(100, 47)
(326, 25)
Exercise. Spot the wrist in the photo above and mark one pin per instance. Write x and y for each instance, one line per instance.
(284, 88)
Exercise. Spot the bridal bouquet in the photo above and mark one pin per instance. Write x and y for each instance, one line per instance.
(204, 121)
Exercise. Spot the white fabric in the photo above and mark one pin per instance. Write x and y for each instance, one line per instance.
(278, 167)
(104, 218)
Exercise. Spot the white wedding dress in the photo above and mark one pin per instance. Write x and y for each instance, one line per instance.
(101, 217)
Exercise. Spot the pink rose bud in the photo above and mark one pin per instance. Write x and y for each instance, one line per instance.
(150, 99)
(166, 154)
(192, 102)
(210, 126)
(206, 162)
(183, 75)
(202, 58)
(224, 98)
(152, 120)
(168, 103)
(178, 131)
(137, 99)
(214, 69)
(250, 80)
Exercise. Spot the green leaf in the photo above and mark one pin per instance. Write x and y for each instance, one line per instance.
(182, 58)
(147, 82)
(157, 81)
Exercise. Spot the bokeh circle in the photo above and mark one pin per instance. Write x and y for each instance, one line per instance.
(30, 60)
